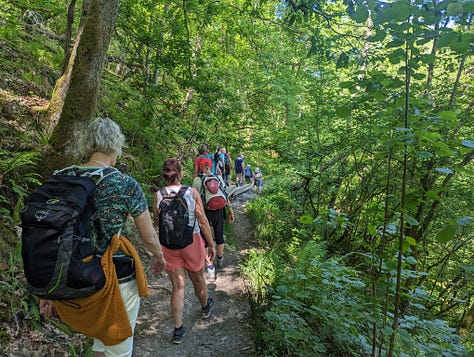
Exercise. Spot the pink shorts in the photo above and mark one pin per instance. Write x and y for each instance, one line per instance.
(192, 257)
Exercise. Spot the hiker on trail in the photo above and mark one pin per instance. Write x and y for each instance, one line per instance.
(258, 179)
(239, 169)
(227, 166)
(216, 217)
(117, 197)
(219, 159)
(248, 173)
(203, 152)
(189, 259)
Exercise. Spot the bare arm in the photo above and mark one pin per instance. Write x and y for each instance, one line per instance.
(231, 211)
(150, 240)
(204, 224)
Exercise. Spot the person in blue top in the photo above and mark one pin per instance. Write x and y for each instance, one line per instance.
(219, 159)
(258, 179)
(239, 169)
(248, 173)
(203, 153)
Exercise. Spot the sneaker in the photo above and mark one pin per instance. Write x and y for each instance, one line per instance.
(219, 262)
(178, 335)
(211, 273)
(206, 311)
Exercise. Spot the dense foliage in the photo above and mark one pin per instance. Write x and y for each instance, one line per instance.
(359, 113)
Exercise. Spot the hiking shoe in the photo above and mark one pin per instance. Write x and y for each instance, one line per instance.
(178, 335)
(206, 311)
(211, 273)
(219, 262)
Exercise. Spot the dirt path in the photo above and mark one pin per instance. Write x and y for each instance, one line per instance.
(228, 332)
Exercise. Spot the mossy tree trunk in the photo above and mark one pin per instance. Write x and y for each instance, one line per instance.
(81, 97)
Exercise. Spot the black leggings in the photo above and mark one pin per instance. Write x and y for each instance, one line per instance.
(216, 221)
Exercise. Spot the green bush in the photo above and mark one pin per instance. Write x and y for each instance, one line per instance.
(323, 307)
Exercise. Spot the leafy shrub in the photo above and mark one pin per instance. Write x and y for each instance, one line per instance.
(272, 214)
(16, 176)
(330, 302)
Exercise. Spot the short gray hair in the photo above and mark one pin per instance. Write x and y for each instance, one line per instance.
(103, 135)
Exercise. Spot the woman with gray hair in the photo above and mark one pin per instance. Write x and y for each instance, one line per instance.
(117, 197)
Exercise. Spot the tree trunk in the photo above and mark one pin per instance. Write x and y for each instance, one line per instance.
(61, 88)
(81, 98)
(67, 42)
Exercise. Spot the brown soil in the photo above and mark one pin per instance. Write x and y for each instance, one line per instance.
(228, 332)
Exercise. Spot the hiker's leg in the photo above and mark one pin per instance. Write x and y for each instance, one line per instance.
(131, 302)
(200, 287)
(178, 280)
(219, 232)
(220, 250)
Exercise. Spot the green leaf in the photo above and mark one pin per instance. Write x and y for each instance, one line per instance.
(410, 240)
(433, 195)
(306, 219)
(379, 95)
(427, 59)
(419, 76)
(424, 154)
(361, 14)
(431, 137)
(447, 38)
(371, 229)
(346, 84)
(343, 112)
(378, 37)
(396, 56)
(454, 9)
(447, 114)
(410, 220)
(468, 267)
(405, 246)
(401, 10)
(395, 43)
(446, 234)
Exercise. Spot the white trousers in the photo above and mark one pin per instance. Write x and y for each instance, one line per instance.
(131, 301)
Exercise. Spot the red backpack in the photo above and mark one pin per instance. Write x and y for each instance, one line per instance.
(214, 196)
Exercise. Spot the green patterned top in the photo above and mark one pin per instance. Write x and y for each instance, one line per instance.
(117, 196)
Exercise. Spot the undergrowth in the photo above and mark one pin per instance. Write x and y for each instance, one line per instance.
(307, 303)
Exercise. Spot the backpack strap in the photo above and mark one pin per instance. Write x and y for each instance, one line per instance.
(163, 192)
(100, 174)
(202, 183)
(97, 176)
(180, 193)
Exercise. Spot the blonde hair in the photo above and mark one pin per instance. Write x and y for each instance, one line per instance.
(101, 135)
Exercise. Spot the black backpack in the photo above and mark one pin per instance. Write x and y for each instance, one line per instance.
(175, 230)
(58, 258)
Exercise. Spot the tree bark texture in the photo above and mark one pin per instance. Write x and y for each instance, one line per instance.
(81, 98)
